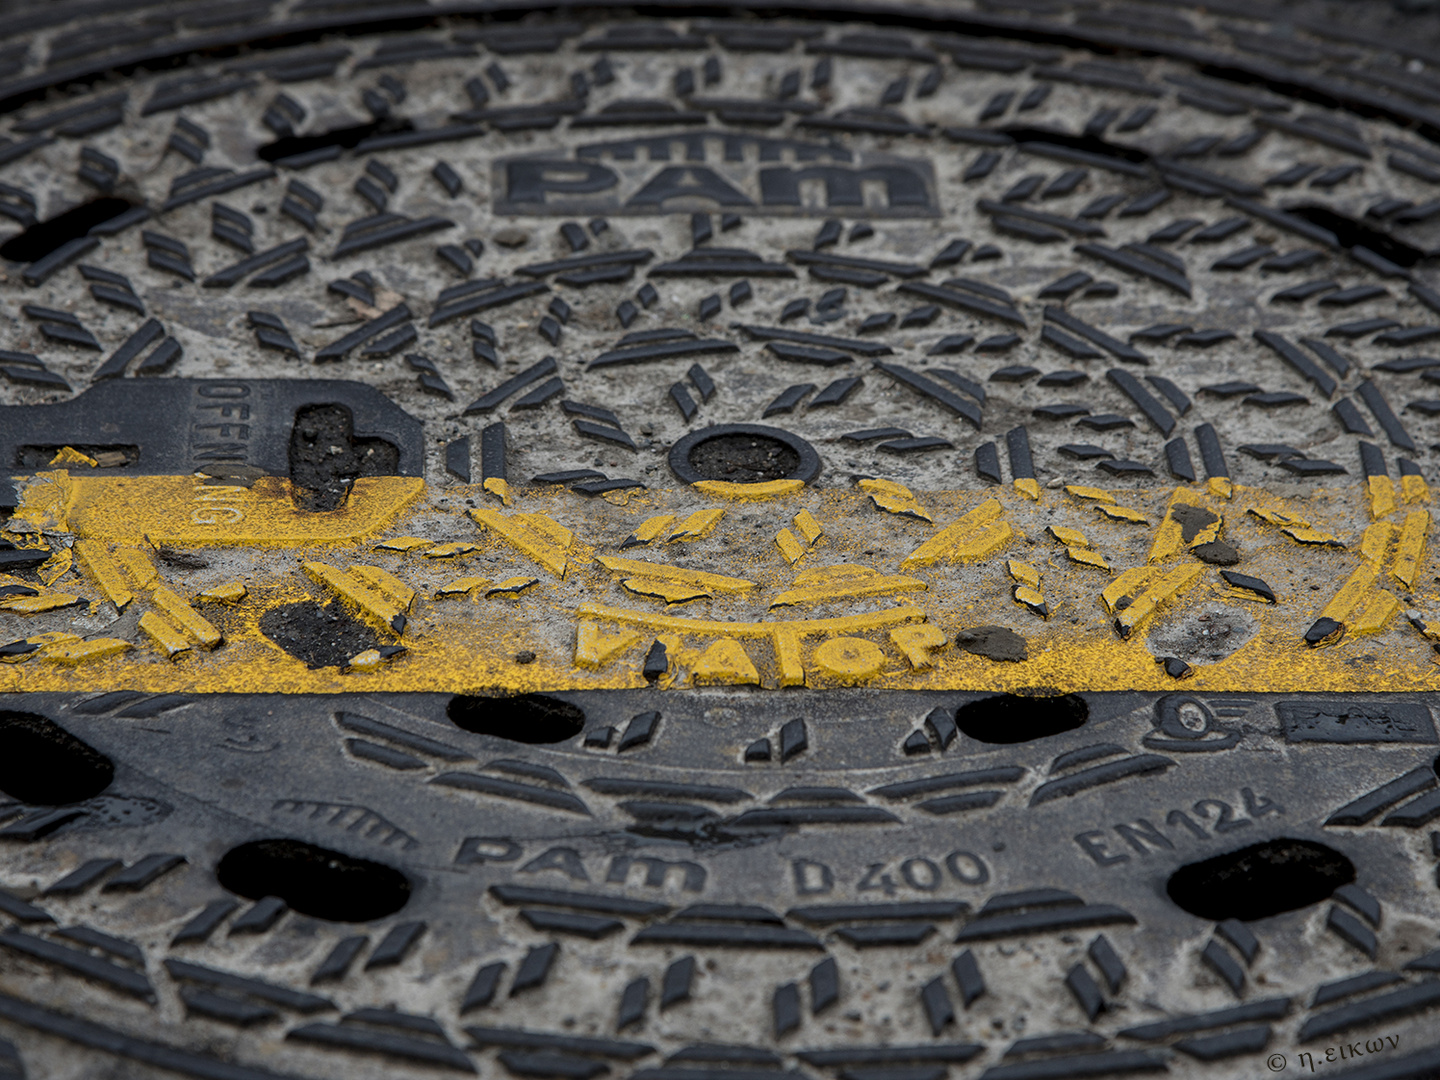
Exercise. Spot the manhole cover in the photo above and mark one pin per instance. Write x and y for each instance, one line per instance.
(883, 544)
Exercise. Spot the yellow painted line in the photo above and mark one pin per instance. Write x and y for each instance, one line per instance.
(1376, 540)
(187, 511)
(770, 489)
(187, 618)
(951, 539)
(138, 567)
(1414, 489)
(384, 583)
(1351, 593)
(163, 634)
(822, 585)
(1167, 588)
(1382, 496)
(95, 558)
(367, 600)
(1380, 608)
(34, 605)
(659, 571)
(549, 551)
(1410, 550)
(84, 652)
(674, 624)
(1169, 539)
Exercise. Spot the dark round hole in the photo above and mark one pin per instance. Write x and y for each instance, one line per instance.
(1260, 880)
(43, 764)
(743, 459)
(44, 237)
(1014, 718)
(528, 718)
(314, 881)
(743, 454)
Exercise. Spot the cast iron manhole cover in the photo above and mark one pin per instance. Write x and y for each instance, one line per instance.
(867, 544)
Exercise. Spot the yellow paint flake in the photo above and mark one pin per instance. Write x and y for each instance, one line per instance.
(1028, 487)
(1220, 487)
(725, 663)
(917, 642)
(229, 592)
(1168, 540)
(403, 543)
(1023, 572)
(1082, 491)
(1298, 529)
(547, 547)
(68, 455)
(844, 582)
(1032, 598)
(1068, 536)
(500, 489)
(95, 560)
(187, 618)
(1165, 589)
(34, 605)
(697, 526)
(648, 530)
(719, 583)
(39, 642)
(594, 648)
(83, 652)
(893, 498)
(55, 567)
(672, 592)
(461, 587)
(807, 526)
(365, 662)
(790, 545)
(452, 549)
(513, 586)
(1087, 557)
(163, 634)
(1124, 513)
(1410, 549)
(769, 489)
(357, 595)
